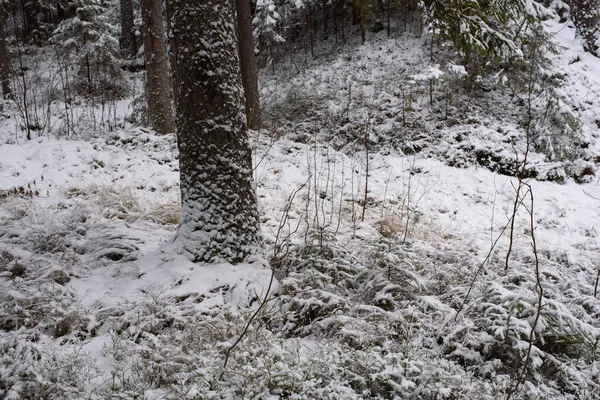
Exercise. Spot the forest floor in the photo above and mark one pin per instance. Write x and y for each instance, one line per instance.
(385, 207)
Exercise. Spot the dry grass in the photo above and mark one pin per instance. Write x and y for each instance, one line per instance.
(124, 203)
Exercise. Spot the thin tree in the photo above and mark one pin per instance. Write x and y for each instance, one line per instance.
(248, 65)
(4, 61)
(128, 39)
(219, 216)
(160, 91)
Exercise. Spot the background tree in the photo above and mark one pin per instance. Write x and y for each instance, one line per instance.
(4, 60)
(248, 65)
(128, 39)
(586, 16)
(90, 38)
(219, 216)
(160, 91)
(360, 11)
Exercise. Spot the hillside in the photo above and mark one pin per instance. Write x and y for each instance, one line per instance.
(386, 187)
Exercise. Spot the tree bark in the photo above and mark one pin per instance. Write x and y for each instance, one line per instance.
(169, 10)
(219, 216)
(4, 60)
(160, 91)
(128, 39)
(248, 65)
(586, 16)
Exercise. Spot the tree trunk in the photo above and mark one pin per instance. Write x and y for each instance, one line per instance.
(219, 216)
(160, 92)
(248, 64)
(388, 13)
(586, 17)
(128, 39)
(4, 60)
(169, 10)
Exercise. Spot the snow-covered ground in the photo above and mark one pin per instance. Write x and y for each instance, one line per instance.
(370, 299)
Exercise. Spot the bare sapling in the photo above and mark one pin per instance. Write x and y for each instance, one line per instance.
(522, 170)
(366, 144)
(276, 252)
(540, 295)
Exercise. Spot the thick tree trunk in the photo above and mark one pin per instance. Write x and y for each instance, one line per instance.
(4, 60)
(219, 216)
(128, 39)
(160, 91)
(248, 64)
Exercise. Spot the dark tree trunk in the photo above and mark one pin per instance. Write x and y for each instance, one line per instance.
(388, 8)
(169, 10)
(128, 39)
(219, 216)
(359, 16)
(160, 91)
(248, 64)
(325, 18)
(4, 60)
(343, 19)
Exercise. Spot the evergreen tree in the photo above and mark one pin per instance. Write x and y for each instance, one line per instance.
(219, 216)
(490, 28)
(265, 22)
(91, 39)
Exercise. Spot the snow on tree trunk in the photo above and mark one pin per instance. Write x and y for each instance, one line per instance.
(248, 64)
(219, 216)
(160, 91)
(586, 16)
(128, 39)
(4, 63)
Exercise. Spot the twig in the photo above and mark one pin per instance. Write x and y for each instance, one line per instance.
(540, 298)
(366, 139)
(597, 275)
(271, 280)
(521, 173)
(487, 257)
(595, 198)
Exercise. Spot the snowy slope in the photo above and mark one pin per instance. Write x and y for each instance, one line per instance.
(96, 303)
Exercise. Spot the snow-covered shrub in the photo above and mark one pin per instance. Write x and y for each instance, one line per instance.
(555, 128)
(389, 276)
(33, 366)
(495, 337)
(315, 276)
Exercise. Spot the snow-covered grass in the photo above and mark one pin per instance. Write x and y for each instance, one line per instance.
(370, 298)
